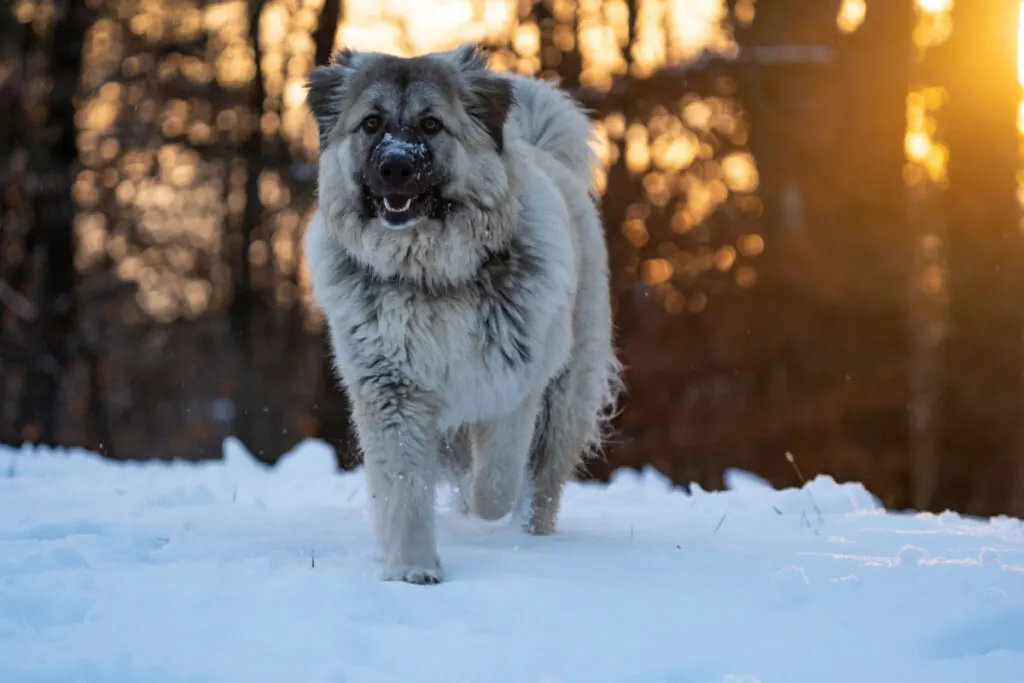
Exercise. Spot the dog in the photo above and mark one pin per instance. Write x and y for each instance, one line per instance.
(458, 255)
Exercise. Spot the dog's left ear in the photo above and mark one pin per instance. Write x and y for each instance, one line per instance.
(487, 96)
(468, 57)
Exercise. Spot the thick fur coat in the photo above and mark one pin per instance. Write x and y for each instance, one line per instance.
(459, 257)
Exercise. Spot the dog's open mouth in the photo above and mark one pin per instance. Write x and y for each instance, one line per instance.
(397, 205)
(399, 211)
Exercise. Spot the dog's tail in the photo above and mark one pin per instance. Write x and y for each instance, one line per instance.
(549, 118)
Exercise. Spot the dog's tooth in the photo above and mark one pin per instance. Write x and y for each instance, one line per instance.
(397, 209)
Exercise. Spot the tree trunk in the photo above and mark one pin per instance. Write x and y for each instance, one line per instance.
(55, 166)
(327, 30)
(331, 406)
(875, 231)
(249, 404)
(982, 392)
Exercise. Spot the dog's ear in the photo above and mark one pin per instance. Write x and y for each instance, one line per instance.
(488, 98)
(325, 91)
(469, 57)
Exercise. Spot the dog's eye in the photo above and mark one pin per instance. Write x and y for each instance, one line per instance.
(430, 125)
(371, 123)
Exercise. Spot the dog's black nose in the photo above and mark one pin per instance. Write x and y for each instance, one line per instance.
(396, 171)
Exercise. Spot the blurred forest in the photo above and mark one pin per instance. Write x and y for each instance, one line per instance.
(813, 210)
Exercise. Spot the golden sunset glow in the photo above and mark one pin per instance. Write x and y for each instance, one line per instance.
(851, 15)
(676, 154)
(673, 153)
(927, 157)
(666, 32)
(1020, 45)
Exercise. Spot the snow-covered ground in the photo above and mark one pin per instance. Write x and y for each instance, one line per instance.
(229, 572)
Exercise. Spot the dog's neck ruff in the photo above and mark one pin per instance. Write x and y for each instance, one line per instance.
(434, 287)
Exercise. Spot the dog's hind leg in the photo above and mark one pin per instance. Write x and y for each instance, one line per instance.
(569, 429)
(457, 463)
(556, 453)
(501, 452)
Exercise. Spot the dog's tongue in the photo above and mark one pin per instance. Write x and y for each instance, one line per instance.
(397, 203)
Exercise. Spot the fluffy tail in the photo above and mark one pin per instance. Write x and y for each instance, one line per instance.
(550, 119)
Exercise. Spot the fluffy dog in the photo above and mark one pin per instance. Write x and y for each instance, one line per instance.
(459, 258)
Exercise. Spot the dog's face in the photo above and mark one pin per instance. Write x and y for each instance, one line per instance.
(406, 140)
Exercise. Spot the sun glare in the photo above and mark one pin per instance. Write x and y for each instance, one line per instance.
(851, 15)
(1020, 45)
(935, 6)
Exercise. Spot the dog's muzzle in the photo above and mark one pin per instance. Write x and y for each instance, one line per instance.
(398, 181)
(400, 178)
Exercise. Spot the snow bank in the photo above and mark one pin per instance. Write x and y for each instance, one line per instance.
(230, 572)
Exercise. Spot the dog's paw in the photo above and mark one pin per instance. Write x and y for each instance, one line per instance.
(539, 526)
(421, 576)
(461, 502)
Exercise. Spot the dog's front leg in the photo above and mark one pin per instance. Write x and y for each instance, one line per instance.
(397, 433)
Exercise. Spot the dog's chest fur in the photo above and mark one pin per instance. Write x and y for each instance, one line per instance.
(476, 347)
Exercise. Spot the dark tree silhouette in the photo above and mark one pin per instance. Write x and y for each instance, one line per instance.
(983, 393)
(52, 164)
(326, 30)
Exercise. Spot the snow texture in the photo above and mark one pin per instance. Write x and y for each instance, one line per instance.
(389, 145)
(229, 572)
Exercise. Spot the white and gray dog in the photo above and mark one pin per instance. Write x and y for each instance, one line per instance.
(459, 257)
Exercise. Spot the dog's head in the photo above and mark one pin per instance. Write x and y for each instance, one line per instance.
(409, 141)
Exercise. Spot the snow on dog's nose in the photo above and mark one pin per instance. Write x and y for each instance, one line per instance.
(399, 165)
